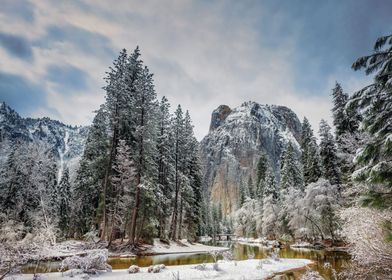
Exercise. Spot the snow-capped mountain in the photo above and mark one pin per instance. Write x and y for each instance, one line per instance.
(237, 137)
(64, 141)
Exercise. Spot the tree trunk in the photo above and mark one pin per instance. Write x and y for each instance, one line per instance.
(106, 180)
(139, 177)
(180, 221)
(173, 226)
(113, 220)
(139, 232)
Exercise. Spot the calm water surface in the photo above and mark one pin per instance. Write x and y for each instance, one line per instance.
(335, 260)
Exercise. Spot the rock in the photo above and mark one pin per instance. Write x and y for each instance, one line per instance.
(156, 269)
(218, 116)
(84, 276)
(150, 268)
(237, 137)
(280, 277)
(201, 267)
(133, 269)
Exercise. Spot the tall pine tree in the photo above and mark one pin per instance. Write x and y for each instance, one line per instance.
(328, 154)
(375, 158)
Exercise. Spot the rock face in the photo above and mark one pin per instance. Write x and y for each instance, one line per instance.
(237, 137)
(66, 142)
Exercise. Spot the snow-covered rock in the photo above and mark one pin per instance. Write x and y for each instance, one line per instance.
(66, 142)
(227, 271)
(133, 269)
(237, 137)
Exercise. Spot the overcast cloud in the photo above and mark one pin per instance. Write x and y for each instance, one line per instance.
(54, 54)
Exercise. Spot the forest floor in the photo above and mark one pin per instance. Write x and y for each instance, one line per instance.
(248, 269)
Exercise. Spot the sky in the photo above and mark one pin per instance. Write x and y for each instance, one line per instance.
(54, 54)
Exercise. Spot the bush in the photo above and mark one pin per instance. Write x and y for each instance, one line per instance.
(133, 269)
(94, 262)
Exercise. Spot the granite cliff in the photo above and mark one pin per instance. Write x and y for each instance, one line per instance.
(230, 151)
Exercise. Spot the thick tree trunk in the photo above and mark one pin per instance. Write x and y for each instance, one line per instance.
(107, 177)
(173, 227)
(113, 221)
(139, 177)
(180, 220)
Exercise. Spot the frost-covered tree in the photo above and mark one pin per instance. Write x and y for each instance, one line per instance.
(187, 195)
(122, 190)
(368, 230)
(247, 218)
(290, 172)
(318, 210)
(179, 144)
(144, 121)
(88, 189)
(14, 178)
(193, 173)
(374, 159)
(310, 154)
(270, 206)
(116, 105)
(328, 154)
(270, 217)
(166, 168)
(338, 111)
(261, 170)
(64, 197)
(270, 185)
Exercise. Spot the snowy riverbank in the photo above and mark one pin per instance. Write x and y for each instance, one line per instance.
(248, 269)
(182, 246)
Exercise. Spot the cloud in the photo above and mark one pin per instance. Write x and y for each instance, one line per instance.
(202, 53)
(16, 46)
(67, 77)
(21, 9)
(20, 93)
(88, 42)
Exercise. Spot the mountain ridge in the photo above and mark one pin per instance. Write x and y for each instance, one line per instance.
(66, 142)
(237, 138)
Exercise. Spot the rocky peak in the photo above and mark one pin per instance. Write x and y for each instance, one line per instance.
(237, 137)
(218, 116)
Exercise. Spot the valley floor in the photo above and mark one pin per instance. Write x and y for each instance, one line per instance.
(248, 269)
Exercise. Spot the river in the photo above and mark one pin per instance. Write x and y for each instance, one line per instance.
(326, 262)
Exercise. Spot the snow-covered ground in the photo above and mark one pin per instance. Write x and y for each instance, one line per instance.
(181, 247)
(302, 245)
(257, 241)
(248, 269)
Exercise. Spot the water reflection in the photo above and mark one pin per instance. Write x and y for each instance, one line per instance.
(334, 260)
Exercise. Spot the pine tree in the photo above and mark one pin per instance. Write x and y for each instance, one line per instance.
(261, 175)
(310, 154)
(64, 203)
(250, 187)
(243, 194)
(374, 159)
(90, 178)
(122, 191)
(193, 173)
(178, 134)
(338, 111)
(144, 144)
(291, 175)
(328, 154)
(115, 105)
(270, 186)
(165, 163)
